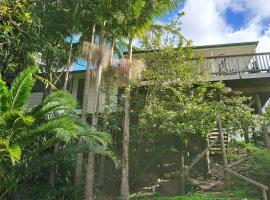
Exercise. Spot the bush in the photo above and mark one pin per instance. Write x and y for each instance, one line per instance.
(259, 163)
(43, 192)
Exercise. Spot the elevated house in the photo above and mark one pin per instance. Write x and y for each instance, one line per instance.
(236, 64)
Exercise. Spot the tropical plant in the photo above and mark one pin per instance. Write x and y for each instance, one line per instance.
(140, 15)
(28, 134)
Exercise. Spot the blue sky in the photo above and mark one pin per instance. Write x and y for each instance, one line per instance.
(225, 21)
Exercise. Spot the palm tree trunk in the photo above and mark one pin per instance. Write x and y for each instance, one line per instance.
(79, 157)
(101, 172)
(68, 64)
(53, 169)
(89, 180)
(70, 51)
(124, 190)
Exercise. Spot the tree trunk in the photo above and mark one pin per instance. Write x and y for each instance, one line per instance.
(70, 51)
(79, 157)
(254, 136)
(89, 181)
(101, 172)
(246, 135)
(223, 149)
(53, 168)
(68, 65)
(124, 191)
(264, 129)
(112, 52)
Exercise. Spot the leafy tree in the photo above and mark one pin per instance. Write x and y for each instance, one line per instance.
(17, 37)
(182, 104)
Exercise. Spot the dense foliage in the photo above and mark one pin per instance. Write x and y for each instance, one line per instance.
(27, 134)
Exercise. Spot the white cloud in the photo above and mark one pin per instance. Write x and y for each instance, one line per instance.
(204, 22)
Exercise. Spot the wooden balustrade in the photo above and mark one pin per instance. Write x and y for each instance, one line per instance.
(237, 64)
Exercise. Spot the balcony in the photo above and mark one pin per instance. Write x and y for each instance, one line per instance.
(233, 67)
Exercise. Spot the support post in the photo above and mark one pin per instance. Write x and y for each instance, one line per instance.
(264, 194)
(182, 174)
(207, 154)
(264, 129)
(223, 150)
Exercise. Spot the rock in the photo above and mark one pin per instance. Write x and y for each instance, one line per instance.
(194, 181)
(205, 187)
(214, 186)
(169, 188)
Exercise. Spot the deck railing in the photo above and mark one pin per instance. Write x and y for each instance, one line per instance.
(237, 64)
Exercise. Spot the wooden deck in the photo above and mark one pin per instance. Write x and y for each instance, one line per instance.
(249, 73)
(244, 66)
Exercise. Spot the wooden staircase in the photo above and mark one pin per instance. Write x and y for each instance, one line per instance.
(216, 148)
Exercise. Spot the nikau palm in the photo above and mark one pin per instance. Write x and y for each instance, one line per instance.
(27, 133)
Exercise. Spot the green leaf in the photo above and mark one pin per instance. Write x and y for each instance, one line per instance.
(21, 88)
(14, 152)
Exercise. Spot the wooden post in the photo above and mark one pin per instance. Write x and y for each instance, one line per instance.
(264, 188)
(264, 129)
(207, 154)
(182, 174)
(264, 194)
(223, 150)
(199, 156)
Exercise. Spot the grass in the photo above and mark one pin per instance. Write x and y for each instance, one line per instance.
(235, 194)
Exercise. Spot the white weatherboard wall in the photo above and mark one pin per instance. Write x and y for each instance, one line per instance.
(34, 99)
(81, 75)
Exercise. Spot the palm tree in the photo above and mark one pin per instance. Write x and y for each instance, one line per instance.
(89, 52)
(141, 15)
(27, 133)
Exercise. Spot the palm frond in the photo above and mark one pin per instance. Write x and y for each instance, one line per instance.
(21, 88)
(90, 52)
(56, 101)
(64, 124)
(45, 81)
(14, 151)
(4, 96)
(127, 70)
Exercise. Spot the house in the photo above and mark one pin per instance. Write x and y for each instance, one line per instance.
(237, 64)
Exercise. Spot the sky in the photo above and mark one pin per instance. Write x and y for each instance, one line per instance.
(225, 21)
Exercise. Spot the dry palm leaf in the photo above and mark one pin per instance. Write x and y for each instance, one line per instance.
(127, 70)
(90, 53)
